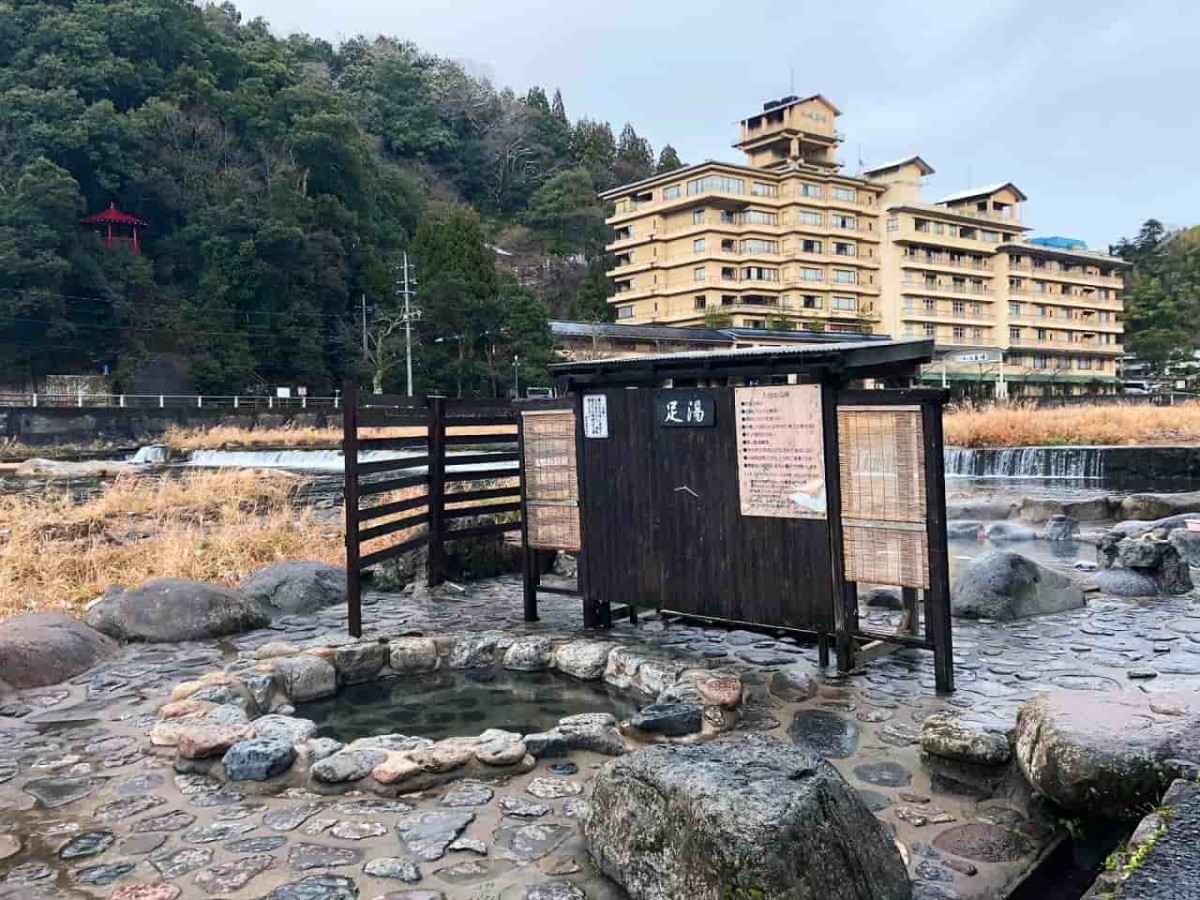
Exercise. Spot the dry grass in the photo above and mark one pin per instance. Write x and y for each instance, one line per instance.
(295, 438)
(1019, 425)
(233, 436)
(57, 552)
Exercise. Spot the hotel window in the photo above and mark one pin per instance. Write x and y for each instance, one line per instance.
(1104, 294)
(1085, 362)
(757, 217)
(959, 307)
(893, 224)
(921, 225)
(959, 333)
(1103, 316)
(758, 189)
(807, 246)
(721, 183)
(842, 221)
(671, 193)
(701, 302)
(976, 308)
(978, 334)
(930, 330)
(760, 273)
(756, 245)
(1039, 287)
(622, 234)
(840, 249)
(846, 194)
(1014, 309)
(930, 306)
(728, 218)
(624, 312)
(1041, 334)
(728, 273)
(977, 286)
(809, 190)
(1039, 263)
(1041, 362)
(1068, 313)
(728, 245)
(843, 276)
(698, 245)
(1014, 334)
(811, 301)
(697, 217)
(698, 274)
(1039, 309)
(989, 237)
(807, 274)
(809, 218)
(939, 228)
(845, 304)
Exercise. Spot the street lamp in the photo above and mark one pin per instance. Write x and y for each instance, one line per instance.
(517, 376)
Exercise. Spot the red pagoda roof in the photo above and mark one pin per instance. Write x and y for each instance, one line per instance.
(113, 216)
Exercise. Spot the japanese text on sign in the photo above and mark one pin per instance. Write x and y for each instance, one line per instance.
(595, 416)
(685, 408)
(780, 446)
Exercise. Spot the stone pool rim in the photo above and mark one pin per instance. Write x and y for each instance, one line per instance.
(239, 726)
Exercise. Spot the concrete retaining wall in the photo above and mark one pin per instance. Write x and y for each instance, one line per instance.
(38, 427)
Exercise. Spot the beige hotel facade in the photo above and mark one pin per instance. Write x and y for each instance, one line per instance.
(788, 243)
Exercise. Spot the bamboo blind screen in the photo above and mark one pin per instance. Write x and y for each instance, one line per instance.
(881, 455)
(551, 479)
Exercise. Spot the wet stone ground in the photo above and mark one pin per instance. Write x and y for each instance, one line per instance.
(89, 812)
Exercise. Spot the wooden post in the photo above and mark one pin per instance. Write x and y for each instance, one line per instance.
(593, 615)
(436, 443)
(528, 556)
(350, 458)
(939, 557)
(844, 639)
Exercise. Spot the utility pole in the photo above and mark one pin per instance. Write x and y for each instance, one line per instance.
(407, 329)
(517, 376)
(364, 325)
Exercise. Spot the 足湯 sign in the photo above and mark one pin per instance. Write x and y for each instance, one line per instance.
(780, 451)
(684, 408)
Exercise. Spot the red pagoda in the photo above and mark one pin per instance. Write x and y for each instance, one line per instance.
(113, 221)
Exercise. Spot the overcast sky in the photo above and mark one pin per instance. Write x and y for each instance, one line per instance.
(1091, 108)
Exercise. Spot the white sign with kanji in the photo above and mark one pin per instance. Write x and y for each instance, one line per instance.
(595, 416)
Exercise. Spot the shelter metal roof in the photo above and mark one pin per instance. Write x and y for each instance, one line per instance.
(861, 359)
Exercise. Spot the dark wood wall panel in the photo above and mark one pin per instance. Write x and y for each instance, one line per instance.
(663, 509)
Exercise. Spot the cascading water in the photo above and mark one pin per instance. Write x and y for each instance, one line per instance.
(1074, 463)
(319, 460)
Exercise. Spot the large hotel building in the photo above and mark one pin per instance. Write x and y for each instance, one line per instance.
(787, 243)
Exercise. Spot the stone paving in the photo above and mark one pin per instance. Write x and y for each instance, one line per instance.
(89, 811)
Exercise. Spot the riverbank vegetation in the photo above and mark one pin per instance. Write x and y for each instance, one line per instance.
(216, 437)
(1025, 425)
(59, 551)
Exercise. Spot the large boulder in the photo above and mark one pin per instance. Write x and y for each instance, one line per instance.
(1004, 585)
(1158, 506)
(1005, 532)
(296, 586)
(1111, 754)
(1125, 583)
(1187, 545)
(173, 609)
(37, 649)
(748, 818)
(1039, 509)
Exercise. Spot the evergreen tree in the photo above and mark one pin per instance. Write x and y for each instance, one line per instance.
(668, 160)
(635, 158)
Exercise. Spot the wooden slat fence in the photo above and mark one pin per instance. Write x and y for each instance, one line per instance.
(415, 469)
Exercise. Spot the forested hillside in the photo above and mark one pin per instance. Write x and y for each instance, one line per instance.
(1162, 302)
(282, 178)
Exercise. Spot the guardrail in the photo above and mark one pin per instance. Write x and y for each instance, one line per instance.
(163, 401)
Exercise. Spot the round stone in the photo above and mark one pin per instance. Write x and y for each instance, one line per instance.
(10, 845)
(825, 733)
(982, 843)
(158, 890)
(103, 874)
(89, 843)
(393, 867)
(883, 774)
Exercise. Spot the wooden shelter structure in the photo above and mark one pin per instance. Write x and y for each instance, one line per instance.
(754, 487)
(112, 222)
